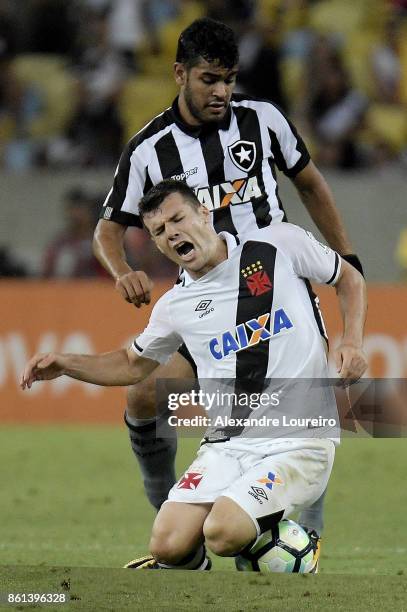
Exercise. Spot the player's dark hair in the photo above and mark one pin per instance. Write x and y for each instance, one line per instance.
(208, 39)
(157, 194)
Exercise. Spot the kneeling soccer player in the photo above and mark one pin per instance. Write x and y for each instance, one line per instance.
(261, 326)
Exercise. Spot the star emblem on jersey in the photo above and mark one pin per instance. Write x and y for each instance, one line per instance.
(257, 279)
(190, 480)
(243, 154)
(270, 480)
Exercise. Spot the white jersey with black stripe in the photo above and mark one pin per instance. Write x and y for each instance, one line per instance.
(251, 316)
(250, 325)
(231, 165)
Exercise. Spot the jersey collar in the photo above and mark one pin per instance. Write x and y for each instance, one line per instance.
(231, 243)
(199, 130)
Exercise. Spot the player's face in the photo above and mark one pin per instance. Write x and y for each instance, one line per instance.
(205, 91)
(184, 234)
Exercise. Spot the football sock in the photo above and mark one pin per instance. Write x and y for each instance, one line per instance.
(195, 561)
(313, 517)
(155, 455)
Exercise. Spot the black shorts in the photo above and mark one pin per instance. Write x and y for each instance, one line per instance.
(187, 355)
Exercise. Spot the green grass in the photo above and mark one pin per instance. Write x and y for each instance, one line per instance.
(72, 498)
(97, 589)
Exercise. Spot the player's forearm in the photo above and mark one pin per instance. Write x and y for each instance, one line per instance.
(108, 247)
(351, 290)
(323, 212)
(108, 369)
(319, 201)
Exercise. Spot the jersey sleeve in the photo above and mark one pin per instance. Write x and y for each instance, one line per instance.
(130, 182)
(309, 258)
(159, 340)
(288, 148)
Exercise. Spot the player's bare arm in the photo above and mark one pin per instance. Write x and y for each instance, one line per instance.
(319, 201)
(108, 245)
(349, 357)
(116, 368)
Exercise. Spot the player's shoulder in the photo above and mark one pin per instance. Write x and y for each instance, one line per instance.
(277, 234)
(178, 292)
(256, 103)
(163, 304)
(157, 124)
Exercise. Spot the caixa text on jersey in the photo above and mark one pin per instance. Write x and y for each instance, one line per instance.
(231, 192)
(250, 333)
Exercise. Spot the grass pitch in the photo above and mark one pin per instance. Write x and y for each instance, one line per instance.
(73, 512)
(100, 589)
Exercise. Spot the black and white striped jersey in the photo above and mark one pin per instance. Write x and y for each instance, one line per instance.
(230, 165)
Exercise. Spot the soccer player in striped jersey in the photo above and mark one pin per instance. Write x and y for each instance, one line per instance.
(260, 328)
(227, 148)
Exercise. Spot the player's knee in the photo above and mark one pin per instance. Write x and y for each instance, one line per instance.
(167, 547)
(222, 538)
(228, 528)
(164, 551)
(141, 400)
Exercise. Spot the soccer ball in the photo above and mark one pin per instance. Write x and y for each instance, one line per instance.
(284, 548)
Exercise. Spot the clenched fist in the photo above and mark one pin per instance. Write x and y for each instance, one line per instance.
(350, 363)
(135, 287)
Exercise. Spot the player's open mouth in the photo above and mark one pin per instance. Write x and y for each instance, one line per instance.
(185, 250)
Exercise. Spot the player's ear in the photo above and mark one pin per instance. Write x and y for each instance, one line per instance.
(205, 212)
(180, 73)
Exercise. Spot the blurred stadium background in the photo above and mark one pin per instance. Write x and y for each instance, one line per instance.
(80, 77)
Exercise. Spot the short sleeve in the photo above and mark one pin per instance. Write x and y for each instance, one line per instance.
(159, 340)
(288, 148)
(309, 258)
(129, 184)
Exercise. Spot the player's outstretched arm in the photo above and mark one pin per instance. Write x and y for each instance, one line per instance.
(108, 246)
(118, 368)
(319, 201)
(349, 357)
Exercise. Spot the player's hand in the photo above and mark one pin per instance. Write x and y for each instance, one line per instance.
(135, 287)
(350, 362)
(43, 366)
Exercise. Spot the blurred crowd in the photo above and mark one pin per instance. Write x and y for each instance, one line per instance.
(80, 77)
(69, 254)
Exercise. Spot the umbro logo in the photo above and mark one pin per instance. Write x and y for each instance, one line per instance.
(243, 154)
(258, 493)
(204, 307)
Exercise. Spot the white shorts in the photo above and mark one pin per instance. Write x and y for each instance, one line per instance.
(273, 481)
